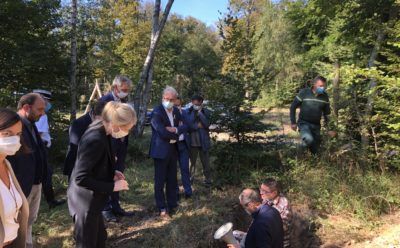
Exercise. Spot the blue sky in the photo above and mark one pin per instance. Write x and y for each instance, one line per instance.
(204, 10)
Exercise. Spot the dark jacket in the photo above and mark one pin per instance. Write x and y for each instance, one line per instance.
(160, 138)
(266, 230)
(92, 178)
(120, 146)
(203, 116)
(76, 130)
(312, 107)
(31, 167)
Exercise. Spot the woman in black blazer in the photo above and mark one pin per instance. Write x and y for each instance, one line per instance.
(94, 176)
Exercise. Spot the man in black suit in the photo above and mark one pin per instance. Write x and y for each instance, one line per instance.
(76, 130)
(266, 230)
(119, 93)
(31, 168)
(163, 149)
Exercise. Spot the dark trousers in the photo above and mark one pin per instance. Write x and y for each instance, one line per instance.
(89, 231)
(205, 161)
(183, 153)
(310, 135)
(165, 176)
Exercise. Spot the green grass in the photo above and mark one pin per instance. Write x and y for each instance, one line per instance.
(324, 187)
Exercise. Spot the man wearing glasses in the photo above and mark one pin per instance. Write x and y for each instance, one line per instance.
(266, 229)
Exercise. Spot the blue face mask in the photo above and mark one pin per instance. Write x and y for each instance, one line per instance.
(48, 107)
(168, 104)
(320, 90)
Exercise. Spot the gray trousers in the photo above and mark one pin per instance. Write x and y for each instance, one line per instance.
(34, 204)
(205, 161)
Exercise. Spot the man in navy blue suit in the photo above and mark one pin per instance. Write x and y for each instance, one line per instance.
(183, 153)
(120, 89)
(164, 150)
(266, 229)
(76, 131)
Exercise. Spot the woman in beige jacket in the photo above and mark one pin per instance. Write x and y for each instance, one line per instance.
(14, 209)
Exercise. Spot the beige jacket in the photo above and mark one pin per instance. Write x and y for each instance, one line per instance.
(20, 241)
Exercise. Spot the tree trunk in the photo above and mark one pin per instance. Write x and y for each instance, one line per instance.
(371, 88)
(336, 92)
(142, 91)
(73, 60)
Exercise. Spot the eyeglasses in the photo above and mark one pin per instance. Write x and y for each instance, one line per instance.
(265, 191)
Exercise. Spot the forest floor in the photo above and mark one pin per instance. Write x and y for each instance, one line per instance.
(197, 218)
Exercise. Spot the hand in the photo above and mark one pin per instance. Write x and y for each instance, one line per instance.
(332, 133)
(233, 246)
(171, 129)
(119, 175)
(294, 127)
(121, 185)
(199, 125)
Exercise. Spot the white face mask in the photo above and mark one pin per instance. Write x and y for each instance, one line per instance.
(10, 145)
(168, 104)
(119, 134)
(122, 94)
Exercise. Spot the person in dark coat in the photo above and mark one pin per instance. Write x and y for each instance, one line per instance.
(266, 230)
(94, 177)
(198, 121)
(31, 168)
(76, 130)
(163, 149)
(119, 93)
(183, 153)
(313, 103)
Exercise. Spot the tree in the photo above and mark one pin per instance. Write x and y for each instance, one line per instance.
(73, 59)
(142, 92)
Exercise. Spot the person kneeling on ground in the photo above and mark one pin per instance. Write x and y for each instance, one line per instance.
(266, 229)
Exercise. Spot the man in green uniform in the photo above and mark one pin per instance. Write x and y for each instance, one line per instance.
(313, 103)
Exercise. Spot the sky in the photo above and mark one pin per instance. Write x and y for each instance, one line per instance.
(204, 10)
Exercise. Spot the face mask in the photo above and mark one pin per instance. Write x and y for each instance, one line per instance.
(196, 107)
(167, 104)
(119, 134)
(9, 145)
(48, 107)
(320, 90)
(122, 94)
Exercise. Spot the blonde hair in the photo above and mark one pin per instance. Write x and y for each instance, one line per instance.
(118, 113)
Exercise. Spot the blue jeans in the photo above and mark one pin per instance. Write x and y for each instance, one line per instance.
(310, 135)
(183, 153)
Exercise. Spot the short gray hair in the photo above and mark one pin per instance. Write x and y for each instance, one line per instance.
(170, 90)
(120, 79)
(249, 195)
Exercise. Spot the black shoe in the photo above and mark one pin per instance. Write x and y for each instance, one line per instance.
(109, 216)
(207, 184)
(187, 196)
(122, 212)
(54, 203)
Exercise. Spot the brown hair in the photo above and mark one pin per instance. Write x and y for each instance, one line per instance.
(9, 118)
(272, 184)
(29, 99)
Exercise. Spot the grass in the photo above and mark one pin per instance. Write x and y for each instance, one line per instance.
(332, 204)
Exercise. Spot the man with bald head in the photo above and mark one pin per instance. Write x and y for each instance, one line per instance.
(31, 167)
(266, 230)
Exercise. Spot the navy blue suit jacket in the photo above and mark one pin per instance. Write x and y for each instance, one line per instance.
(76, 130)
(266, 230)
(160, 138)
(120, 146)
(26, 164)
